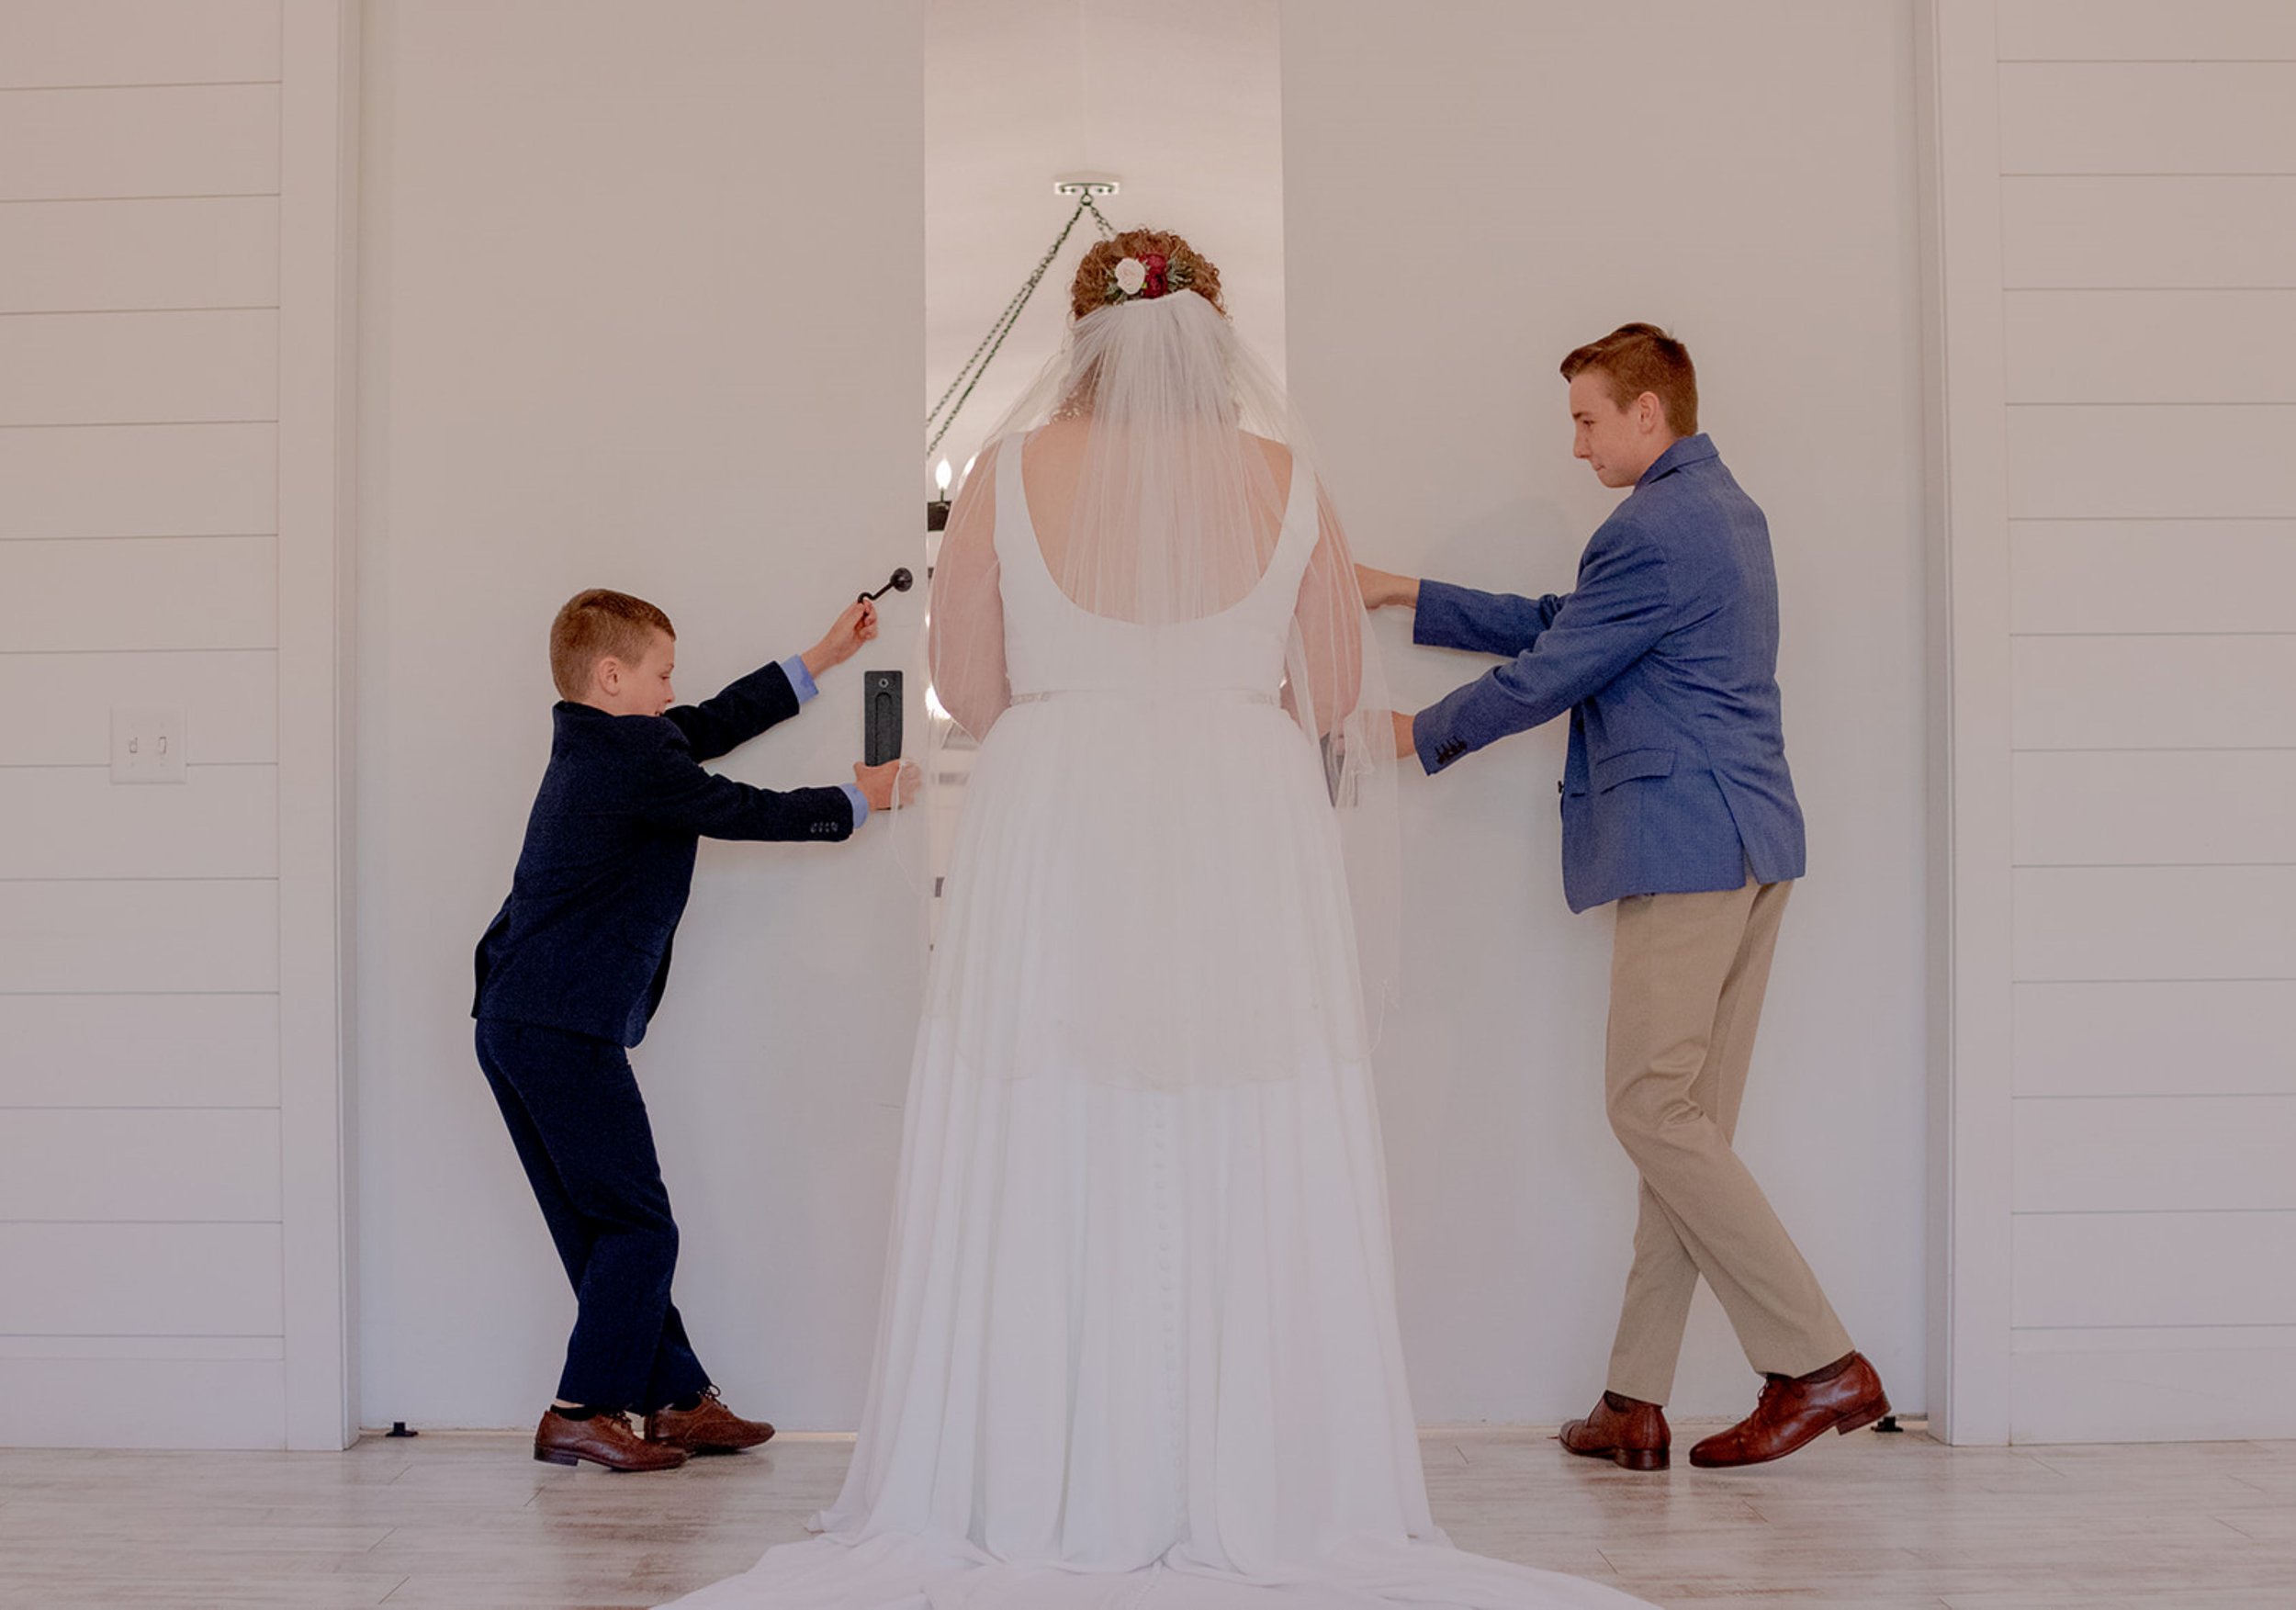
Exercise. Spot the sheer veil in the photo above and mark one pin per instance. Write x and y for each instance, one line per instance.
(1168, 452)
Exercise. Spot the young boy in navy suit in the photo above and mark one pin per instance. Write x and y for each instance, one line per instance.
(573, 966)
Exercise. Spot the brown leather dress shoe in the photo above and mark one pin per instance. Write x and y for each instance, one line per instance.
(710, 1427)
(1845, 1396)
(603, 1439)
(1626, 1430)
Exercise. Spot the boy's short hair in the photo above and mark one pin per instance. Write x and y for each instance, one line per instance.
(1636, 358)
(594, 624)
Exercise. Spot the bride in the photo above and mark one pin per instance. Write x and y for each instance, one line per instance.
(1138, 1343)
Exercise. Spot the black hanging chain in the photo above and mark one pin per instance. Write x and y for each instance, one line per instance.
(986, 354)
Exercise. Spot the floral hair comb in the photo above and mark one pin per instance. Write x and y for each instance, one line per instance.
(1149, 275)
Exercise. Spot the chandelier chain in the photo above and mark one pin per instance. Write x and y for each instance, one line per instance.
(985, 352)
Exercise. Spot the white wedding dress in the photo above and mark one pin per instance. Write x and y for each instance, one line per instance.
(1139, 1344)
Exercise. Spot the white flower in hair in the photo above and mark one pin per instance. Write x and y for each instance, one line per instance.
(1130, 275)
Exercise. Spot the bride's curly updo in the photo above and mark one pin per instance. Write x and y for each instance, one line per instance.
(1165, 262)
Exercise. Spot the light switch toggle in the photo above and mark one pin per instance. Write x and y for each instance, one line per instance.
(147, 745)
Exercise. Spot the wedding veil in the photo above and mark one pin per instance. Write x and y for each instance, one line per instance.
(1171, 452)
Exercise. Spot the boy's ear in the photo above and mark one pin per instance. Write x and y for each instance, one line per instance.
(607, 673)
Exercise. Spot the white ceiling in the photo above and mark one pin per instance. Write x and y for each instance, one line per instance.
(1181, 99)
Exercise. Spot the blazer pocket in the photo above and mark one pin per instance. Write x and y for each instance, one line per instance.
(1613, 770)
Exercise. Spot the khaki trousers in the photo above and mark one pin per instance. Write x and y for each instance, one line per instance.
(1687, 977)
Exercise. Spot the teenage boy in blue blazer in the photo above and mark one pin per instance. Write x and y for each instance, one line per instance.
(570, 972)
(1678, 807)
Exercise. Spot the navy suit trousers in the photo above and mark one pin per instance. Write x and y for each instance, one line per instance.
(579, 1125)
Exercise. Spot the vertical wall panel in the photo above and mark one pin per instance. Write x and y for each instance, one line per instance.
(2147, 460)
(132, 368)
(2167, 234)
(143, 594)
(192, 1280)
(53, 44)
(2194, 576)
(140, 1051)
(2178, 1155)
(2205, 346)
(2171, 922)
(2191, 1037)
(74, 822)
(89, 144)
(2146, 31)
(55, 709)
(2125, 1270)
(2130, 118)
(2189, 690)
(141, 1156)
(2139, 162)
(2139, 807)
(139, 936)
(140, 480)
(140, 1165)
(100, 257)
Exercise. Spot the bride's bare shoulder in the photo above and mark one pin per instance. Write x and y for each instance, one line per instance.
(1056, 439)
(1278, 457)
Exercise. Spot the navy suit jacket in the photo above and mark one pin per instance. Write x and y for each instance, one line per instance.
(1666, 656)
(583, 942)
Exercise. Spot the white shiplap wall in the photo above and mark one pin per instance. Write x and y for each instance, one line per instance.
(153, 1051)
(2119, 263)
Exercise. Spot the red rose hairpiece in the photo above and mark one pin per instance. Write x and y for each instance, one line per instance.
(1149, 275)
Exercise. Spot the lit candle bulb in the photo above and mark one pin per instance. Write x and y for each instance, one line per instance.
(937, 509)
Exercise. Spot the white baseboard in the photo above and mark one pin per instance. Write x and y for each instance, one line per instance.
(97, 1402)
(2218, 1384)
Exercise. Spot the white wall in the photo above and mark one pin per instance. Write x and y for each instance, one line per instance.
(579, 257)
(2116, 207)
(644, 290)
(584, 234)
(1472, 189)
(171, 1235)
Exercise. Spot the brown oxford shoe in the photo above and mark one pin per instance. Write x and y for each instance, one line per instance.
(710, 1427)
(603, 1439)
(1793, 1412)
(1627, 1431)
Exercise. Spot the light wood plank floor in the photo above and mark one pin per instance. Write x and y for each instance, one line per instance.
(471, 1523)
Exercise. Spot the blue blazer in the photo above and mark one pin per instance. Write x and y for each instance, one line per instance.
(1666, 656)
(583, 942)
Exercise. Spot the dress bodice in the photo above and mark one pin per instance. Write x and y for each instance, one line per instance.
(1054, 645)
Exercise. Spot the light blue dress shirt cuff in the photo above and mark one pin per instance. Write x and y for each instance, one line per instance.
(800, 679)
(801, 683)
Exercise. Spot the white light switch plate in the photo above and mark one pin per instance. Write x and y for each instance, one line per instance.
(147, 745)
